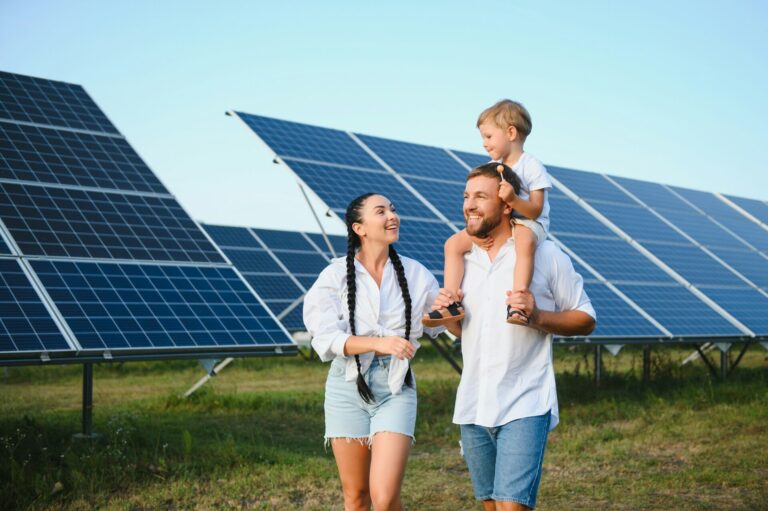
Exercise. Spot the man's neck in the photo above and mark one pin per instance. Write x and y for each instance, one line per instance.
(500, 236)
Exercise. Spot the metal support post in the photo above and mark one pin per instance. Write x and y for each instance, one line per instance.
(598, 364)
(646, 364)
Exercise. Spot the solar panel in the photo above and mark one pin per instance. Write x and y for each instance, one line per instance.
(749, 263)
(339, 244)
(756, 208)
(4, 247)
(295, 140)
(471, 159)
(324, 181)
(439, 180)
(117, 306)
(46, 155)
(36, 100)
(26, 325)
(415, 160)
(53, 221)
(258, 260)
(127, 270)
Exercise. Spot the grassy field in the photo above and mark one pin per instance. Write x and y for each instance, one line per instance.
(253, 437)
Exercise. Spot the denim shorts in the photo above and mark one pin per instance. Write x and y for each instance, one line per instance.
(505, 462)
(348, 416)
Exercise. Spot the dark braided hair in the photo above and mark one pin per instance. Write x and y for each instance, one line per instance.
(353, 216)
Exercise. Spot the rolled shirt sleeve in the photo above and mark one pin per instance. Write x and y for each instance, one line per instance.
(323, 316)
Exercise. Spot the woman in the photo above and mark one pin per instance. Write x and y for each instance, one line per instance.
(364, 313)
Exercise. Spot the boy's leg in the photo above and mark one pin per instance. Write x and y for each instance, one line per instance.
(455, 248)
(525, 250)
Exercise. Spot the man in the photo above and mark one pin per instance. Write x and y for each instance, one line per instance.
(506, 402)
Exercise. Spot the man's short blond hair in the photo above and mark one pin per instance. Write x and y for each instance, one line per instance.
(508, 113)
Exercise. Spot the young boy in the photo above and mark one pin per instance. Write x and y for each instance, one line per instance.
(504, 128)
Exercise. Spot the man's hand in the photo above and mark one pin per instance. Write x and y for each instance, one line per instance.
(507, 193)
(445, 298)
(524, 301)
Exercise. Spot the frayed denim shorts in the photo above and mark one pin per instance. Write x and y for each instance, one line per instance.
(348, 416)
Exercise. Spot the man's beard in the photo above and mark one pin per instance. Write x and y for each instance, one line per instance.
(487, 225)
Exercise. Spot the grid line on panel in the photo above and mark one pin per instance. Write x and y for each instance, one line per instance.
(754, 207)
(140, 306)
(49, 155)
(52, 221)
(26, 324)
(41, 101)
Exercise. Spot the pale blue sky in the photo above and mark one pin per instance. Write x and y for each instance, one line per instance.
(672, 92)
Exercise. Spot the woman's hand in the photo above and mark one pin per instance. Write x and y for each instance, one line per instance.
(396, 346)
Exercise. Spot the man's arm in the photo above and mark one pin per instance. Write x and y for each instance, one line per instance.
(566, 323)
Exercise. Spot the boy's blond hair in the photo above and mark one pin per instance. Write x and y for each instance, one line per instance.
(508, 113)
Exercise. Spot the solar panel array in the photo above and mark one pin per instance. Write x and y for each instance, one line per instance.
(281, 265)
(104, 261)
(658, 262)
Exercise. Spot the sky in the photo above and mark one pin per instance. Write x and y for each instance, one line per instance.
(671, 92)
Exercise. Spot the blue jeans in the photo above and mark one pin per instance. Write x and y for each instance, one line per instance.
(505, 462)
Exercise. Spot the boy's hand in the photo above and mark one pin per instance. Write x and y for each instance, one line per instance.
(507, 193)
(486, 243)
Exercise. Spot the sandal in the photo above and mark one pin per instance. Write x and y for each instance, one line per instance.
(453, 312)
(517, 317)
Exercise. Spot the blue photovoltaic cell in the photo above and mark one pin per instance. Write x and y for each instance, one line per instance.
(472, 159)
(295, 140)
(28, 99)
(225, 236)
(410, 159)
(30, 153)
(448, 198)
(307, 281)
(4, 247)
(747, 262)
(745, 304)
(25, 323)
(678, 310)
(615, 259)
(638, 222)
(284, 240)
(339, 244)
(423, 241)
(274, 287)
(253, 260)
(302, 262)
(294, 320)
(589, 185)
(702, 229)
(326, 182)
(131, 306)
(77, 223)
(756, 208)
(654, 195)
(696, 266)
(614, 317)
(568, 217)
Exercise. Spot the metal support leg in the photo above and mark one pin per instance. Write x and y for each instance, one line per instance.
(598, 364)
(738, 359)
(724, 364)
(705, 358)
(646, 364)
(87, 432)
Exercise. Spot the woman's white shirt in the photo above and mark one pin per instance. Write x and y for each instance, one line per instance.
(379, 312)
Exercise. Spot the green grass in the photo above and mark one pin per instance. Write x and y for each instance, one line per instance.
(253, 437)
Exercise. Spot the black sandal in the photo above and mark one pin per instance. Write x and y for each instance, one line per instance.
(517, 317)
(439, 317)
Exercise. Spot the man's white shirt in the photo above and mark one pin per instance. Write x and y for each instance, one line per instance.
(508, 372)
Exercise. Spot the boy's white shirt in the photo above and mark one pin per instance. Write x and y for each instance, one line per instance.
(533, 176)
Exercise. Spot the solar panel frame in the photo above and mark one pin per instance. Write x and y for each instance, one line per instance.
(758, 209)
